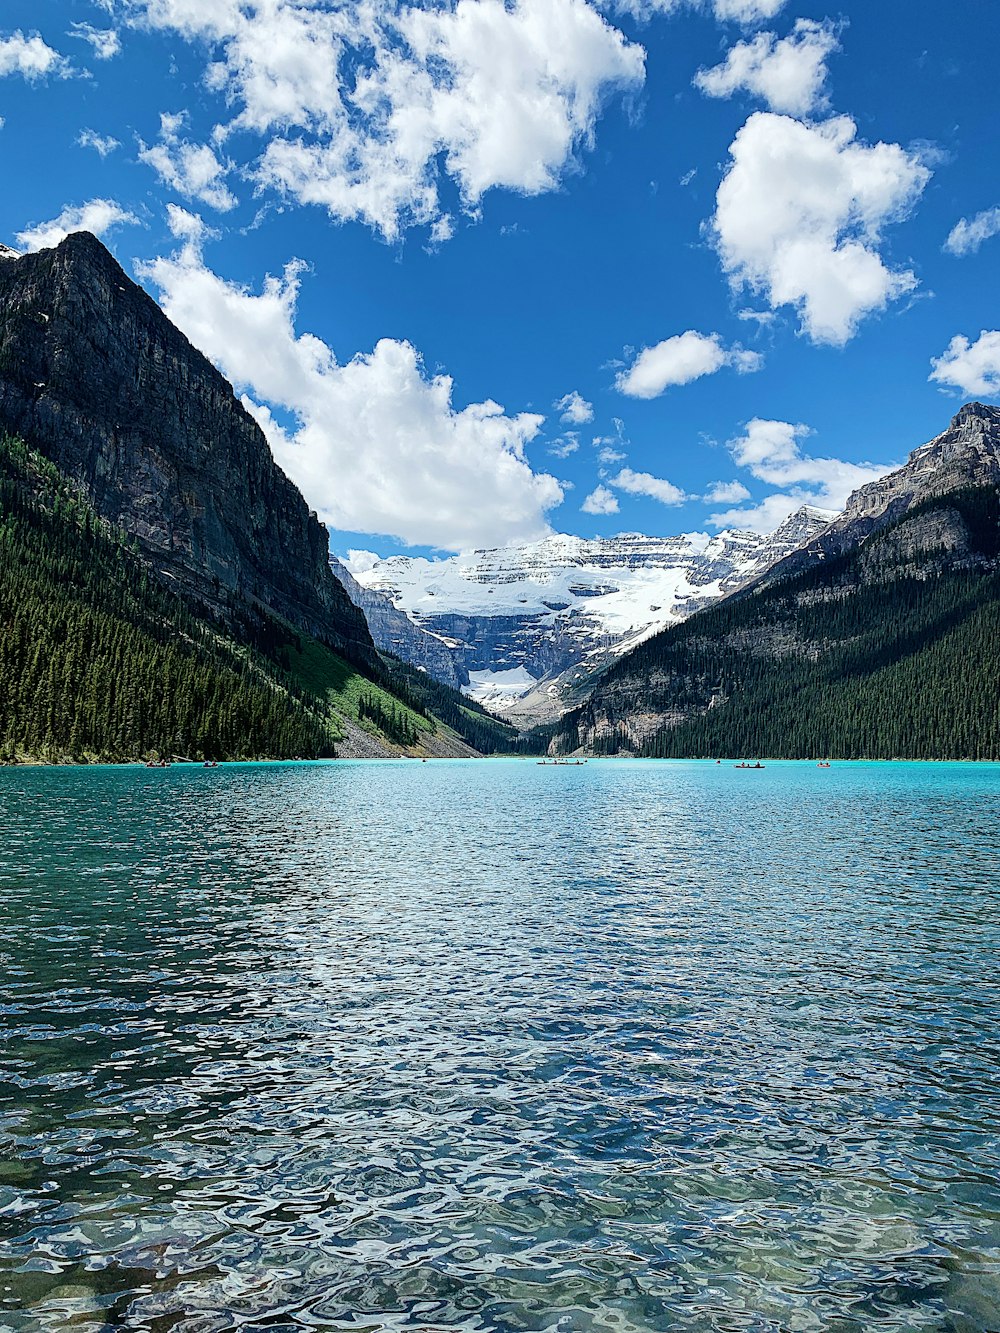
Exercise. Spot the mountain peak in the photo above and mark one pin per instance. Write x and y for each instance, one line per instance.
(975, 412)
(94, 375)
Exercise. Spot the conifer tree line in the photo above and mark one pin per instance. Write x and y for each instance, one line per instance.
(99, 661)
(391, 721)
(835, 661)
(429, 697)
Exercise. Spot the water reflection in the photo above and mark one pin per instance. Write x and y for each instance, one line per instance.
(488, 1046)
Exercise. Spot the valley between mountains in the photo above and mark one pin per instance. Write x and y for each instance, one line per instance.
(165, 590)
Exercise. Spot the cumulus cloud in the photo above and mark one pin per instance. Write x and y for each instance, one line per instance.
(363, 105)
(680, 360)
(30, 57)
(789, 75)
(800, 215)
(971, 367)
(562, 448)
(187, 226)
(98, 216)
(575, 409)
(104, 41)
(748, 13)
(643, 483)
(193, 170)
(600, 501)
(772, 452)
(726, 493)
(969, 234)
(377, 444)
(103, 144)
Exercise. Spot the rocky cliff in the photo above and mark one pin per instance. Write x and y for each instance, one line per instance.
(524, 624)
(876, 639)
(94, 375)
(394, 632)
(967, 454)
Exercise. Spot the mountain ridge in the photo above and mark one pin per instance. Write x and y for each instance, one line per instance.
(525, 623)
(180, 593)
(94, 374)
(875, 640)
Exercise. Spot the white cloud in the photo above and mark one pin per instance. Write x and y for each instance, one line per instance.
(642, 483)
(562, 448)
(967, 235)
(610, 455)
(726, 493)
(680, 360)
(972, 368)
(600, 501)
(377, 445)
(187, 226)
(362, 106)
(788, 74)
(443, 229)
(748, 13)
(769, 514)
(193, 170)
(105, 41)
(360, 562)
(98, 216)
(575, 409)
(772, 452)
(800, 214)
(29, 57)
(103, 144)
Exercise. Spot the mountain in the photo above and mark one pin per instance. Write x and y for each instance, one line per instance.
(966, 455)
(163, 586)
(394, 632)
(877, 640)
(94, 375)
(524, 624)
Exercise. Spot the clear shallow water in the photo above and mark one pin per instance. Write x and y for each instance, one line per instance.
(495, 1046)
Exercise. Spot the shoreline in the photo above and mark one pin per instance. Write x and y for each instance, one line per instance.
(724, 762)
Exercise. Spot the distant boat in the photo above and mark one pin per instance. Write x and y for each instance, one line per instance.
(758, 764)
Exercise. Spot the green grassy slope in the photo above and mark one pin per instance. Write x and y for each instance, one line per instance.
(99, 661)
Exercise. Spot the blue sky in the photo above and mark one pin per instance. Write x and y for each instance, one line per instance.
(418, 238)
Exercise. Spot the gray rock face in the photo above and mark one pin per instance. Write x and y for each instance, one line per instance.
(526, 624)
(94, 375)
(966, 454)
(394, 632)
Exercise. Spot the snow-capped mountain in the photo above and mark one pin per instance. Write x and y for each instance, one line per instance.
(524, 622)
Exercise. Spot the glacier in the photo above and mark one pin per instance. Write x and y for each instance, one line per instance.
(525, 625)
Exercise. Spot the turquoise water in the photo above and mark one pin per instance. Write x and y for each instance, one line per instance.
(498, 1046)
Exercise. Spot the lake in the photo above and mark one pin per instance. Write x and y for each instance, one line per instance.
(497, 1046)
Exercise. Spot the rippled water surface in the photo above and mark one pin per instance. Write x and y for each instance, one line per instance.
(498, 1046)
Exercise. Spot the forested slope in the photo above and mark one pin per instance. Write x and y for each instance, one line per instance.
(888, 650)
(99, 660)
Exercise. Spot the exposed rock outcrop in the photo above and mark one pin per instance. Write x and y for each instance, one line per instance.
(94, 375)
(967, 454)
(524, 624)
(394, 632)
(896, 581)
